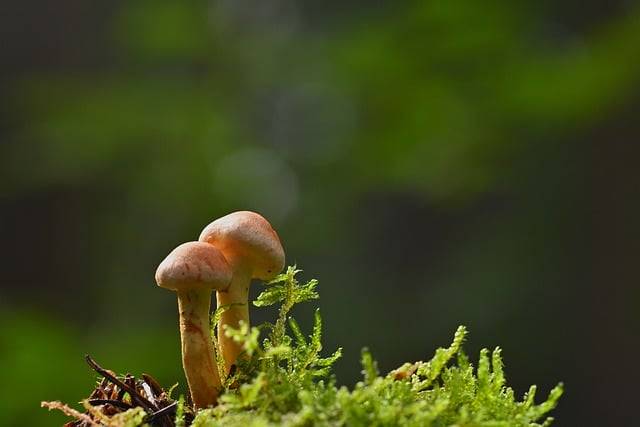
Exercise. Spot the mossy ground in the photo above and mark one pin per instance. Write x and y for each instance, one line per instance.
(284, 379)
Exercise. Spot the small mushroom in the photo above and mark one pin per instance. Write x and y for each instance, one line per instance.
(253, 250)
(193, 270)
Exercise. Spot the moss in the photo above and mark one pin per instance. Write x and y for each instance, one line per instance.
(285, 380)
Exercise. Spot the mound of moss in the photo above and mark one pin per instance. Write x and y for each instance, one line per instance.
(285, 380)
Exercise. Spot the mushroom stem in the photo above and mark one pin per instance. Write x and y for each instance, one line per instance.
(197, 347)
(237, 298)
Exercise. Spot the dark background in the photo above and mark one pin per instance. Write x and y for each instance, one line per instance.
(431, 163)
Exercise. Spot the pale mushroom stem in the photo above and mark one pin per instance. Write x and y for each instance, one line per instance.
(198, 358)
(236, 297)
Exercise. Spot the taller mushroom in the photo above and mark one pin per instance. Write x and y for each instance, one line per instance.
(253, 250)
(193, 270)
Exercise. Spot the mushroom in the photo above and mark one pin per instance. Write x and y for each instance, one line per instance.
(193, 270)
(253, 250)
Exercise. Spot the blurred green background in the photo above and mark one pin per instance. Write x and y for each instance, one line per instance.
(431, 163)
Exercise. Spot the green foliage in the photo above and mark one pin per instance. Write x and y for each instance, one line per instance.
(284, 380)
(179, 419)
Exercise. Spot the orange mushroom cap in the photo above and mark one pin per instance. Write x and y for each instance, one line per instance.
(194, 265)
(247, 237)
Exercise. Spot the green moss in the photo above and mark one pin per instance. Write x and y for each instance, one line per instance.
(285, 380)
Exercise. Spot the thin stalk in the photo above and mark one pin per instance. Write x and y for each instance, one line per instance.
(237, 298)
(198, 358)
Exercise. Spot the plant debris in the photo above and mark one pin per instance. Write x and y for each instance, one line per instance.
(122, 401)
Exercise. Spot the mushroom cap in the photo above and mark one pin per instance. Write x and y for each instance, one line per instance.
(246, 237)
(194, 265)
